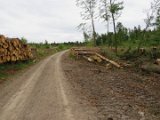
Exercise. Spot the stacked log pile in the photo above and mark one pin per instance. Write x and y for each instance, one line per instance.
(12, 50)
(91, 55)
(81, 51)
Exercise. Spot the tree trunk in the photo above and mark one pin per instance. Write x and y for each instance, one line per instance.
(107, 26)
(115, 33)
(94, 32)
(143, 40)
(107, 18)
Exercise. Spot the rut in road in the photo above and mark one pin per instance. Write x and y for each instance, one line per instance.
(44, 95)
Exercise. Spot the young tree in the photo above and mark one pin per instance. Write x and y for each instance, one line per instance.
(84, 28)
(24, 40)
(149, 20)
(115, 8)
(88, 13)
(156, 8)
(157, 22)
(122, 33)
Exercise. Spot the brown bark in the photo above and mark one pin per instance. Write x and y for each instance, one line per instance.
(12, 49)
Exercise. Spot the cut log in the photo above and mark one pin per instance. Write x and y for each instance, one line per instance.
(151, 68)
(84, 51)
(88, 59)
(158, 61)
(108, 60)
(96, 58)
(142, 51)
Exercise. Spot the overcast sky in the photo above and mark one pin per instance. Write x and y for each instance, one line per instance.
(56, 20)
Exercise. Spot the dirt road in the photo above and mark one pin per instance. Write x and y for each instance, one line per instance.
(42, 93)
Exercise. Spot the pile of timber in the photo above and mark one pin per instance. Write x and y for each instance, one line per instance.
(80, 51)
(12, 50)
(92, 54)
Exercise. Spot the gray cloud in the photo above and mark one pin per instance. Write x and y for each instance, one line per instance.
(56, 20)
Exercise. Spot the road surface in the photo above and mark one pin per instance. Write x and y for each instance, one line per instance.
(42, 93)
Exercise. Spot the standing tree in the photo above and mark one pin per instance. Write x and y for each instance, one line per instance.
(83, 27)
(149, 20)
(104, 12)
(88, 13)
(115, 8)
(157, 22)
(156, 7)
(24, 40)
(122, 33)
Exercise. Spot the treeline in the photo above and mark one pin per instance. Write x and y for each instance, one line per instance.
(51, 45)
(110, 11)
(130, 37)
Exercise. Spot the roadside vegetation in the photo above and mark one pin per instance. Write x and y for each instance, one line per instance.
(122, 37)
(138, 45)
(39, 51)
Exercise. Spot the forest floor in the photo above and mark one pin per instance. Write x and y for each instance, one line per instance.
(118, 94)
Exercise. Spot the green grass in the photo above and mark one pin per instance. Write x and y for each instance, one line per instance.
(42, 51)
(9, 69)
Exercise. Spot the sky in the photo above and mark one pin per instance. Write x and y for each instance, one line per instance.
(57, 20)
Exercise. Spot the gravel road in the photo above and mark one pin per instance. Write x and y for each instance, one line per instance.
(42, 93)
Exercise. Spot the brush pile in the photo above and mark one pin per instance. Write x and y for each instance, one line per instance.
(13, 49)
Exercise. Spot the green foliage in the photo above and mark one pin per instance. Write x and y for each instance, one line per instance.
(110, 54)
(129, 54)
(43, 50)
(130, 37)
(61, 47)
(24, 40)
(115, 7)
(105, 39)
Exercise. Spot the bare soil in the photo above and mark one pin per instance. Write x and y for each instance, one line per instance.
(118, 94)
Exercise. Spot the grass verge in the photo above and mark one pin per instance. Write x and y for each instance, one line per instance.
(8, 70)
